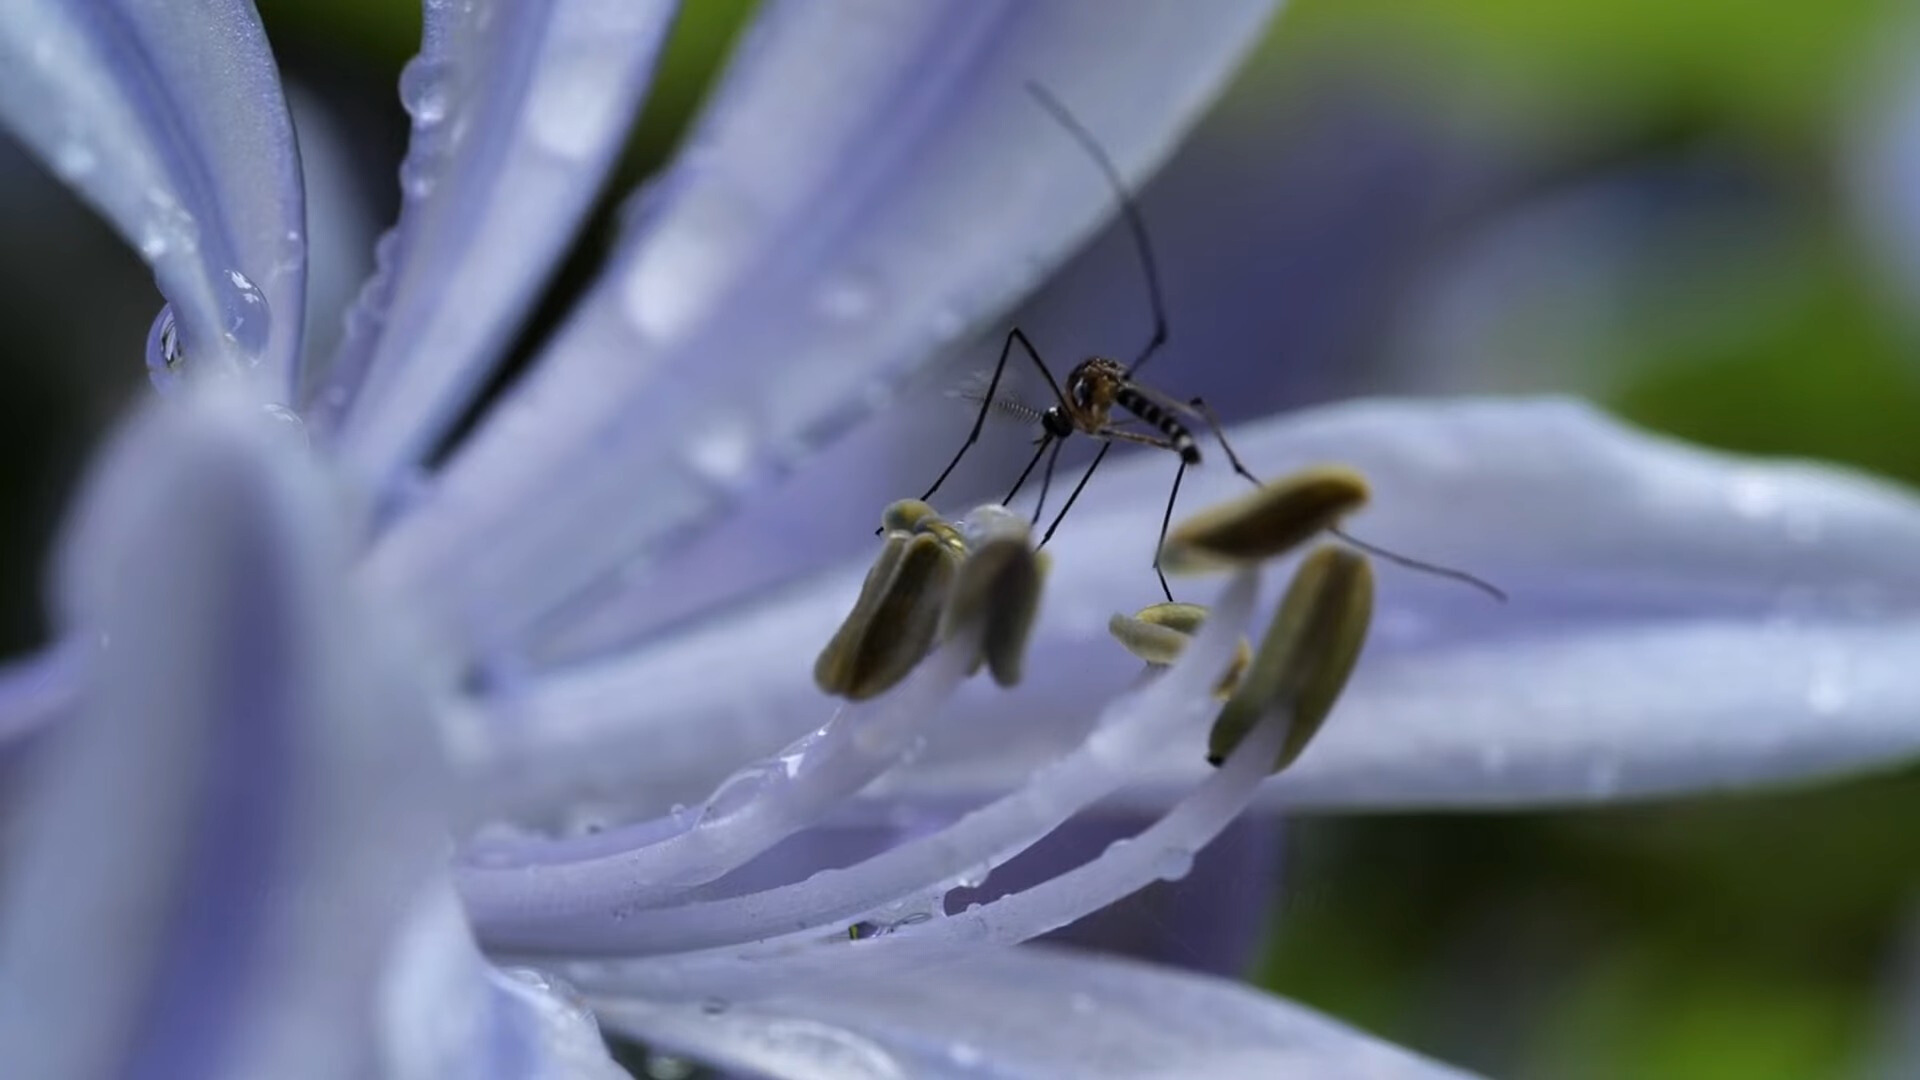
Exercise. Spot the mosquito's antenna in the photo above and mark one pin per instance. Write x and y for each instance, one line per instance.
(1411, 563)
(1136, 224)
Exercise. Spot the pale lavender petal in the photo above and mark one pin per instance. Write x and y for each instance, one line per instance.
(36, 690)
(169, 119)
(518, 110)
(224, 837)
(1679, 619)
(445, 1011)
(1026, 1012)
(870, 182)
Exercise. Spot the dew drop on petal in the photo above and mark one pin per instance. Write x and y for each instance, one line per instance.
(420, 174)
(1173, 864)
(947, 325)
(246, 315)
(1827, 693)
(738, 791)
(74, 159)
(722, 451)
(846, 298)
(164, 358)
(1754, 497)
(423, 90)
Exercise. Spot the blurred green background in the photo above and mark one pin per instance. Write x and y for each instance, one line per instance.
(1753, 936)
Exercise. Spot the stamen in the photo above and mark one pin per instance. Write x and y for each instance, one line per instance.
(1310, 648)
(1133, 728)
(1265, 522)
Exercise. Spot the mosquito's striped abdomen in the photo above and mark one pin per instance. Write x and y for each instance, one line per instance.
(1176, 432)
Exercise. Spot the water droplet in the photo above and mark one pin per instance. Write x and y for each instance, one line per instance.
(738, 791)
(1754, 497)
(1827, 692)
(1173, 864)
(74, 159)
(947, 325)
(722, 451)
(964, 1054)
(973, 877)
(682, 815)
(420, 174)
(166, 226)
(423, 90)
(846, 298)
(1080, 1003)
(245, 313)
(164, 356)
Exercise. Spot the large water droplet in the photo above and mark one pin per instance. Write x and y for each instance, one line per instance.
(738, 791)
(247, 319)
(165, 361)
(424, 90)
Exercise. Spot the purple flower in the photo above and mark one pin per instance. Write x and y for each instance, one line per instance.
(351, 765)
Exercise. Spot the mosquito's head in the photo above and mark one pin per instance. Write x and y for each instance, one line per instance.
(1056, 422)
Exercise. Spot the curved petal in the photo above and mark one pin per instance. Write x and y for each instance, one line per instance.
(1029, 1011)
(222, 841)
(870, 182)
(169, 119)
(518, 110)
(1680, 619)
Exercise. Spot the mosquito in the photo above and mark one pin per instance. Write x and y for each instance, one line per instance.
(1098, 386)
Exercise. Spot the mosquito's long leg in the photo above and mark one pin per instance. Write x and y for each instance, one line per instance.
(986, 403)
(1212, 419)
(1039, 449)
(1077, 488)
(1166, 519)
(1046, 480)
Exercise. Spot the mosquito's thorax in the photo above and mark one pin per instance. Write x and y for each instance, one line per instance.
(1092, 388)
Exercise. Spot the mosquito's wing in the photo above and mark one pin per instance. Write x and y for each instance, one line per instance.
(973, 391)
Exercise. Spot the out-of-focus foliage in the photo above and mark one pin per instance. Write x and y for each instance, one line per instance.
(1745, 937)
